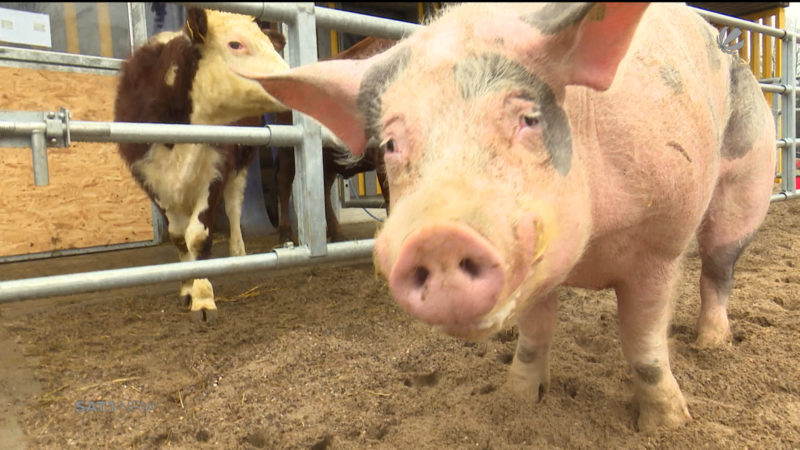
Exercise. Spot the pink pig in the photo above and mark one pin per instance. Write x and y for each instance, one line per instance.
(532, 146)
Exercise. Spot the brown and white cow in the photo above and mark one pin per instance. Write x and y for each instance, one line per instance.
(183, 78)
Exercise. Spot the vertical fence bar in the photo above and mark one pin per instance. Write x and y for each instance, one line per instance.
(137, 25)
(307, 191)
(41, 176)
(789, 100)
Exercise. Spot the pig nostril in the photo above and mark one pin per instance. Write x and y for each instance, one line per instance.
(469, 266)
(420, 276)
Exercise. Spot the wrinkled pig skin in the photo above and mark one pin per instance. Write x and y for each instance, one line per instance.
(530, 146)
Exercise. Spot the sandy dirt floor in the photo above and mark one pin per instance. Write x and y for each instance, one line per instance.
(322, 358)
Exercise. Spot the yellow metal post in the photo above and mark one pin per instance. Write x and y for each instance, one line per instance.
(104, 30)
(71, 28)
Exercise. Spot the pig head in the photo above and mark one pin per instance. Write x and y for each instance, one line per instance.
(533, 146)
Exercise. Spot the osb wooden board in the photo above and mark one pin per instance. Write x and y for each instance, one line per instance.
(91, 199)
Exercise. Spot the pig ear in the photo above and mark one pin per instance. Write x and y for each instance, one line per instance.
(196, 26)
(326, 91)
(600, 41)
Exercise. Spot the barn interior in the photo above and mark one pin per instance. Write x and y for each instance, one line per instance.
(87, 214)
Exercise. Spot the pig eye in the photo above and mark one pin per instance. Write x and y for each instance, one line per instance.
(531, 120)
(388, 145)
(235, 45)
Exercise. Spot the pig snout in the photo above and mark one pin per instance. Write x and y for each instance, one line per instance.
(445, 274)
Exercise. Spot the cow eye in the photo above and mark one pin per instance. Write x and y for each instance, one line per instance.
(388, 145)
(531, 119)
(235, 45)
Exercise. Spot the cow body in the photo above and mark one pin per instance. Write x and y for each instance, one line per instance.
(182, 77)
(336, 159)
(573, 144)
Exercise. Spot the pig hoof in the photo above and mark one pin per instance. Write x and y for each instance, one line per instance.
(712, 339)
(203, 315)
(665, 416)
(525, 387)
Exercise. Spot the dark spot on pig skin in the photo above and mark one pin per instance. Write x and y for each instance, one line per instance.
(492, 72)
(719, 262)
(678, 147)
(526, 355)
(650, 374)
(555, 17)
(374, 84)
(671, 78)
(745, 122)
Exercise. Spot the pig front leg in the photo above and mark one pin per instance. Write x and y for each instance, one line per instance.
(530, 370)
(644, 305)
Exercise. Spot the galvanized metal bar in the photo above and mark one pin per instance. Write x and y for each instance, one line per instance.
(325, 17)
(137, 23)
(363, 24)
(87, 131)
(308, 191)
(39, 153)
(784, 196)
(17, 57)
(786, 141)
(788, 105)
(75, 283)
(74, 251)
(777, 88)
(744, 24)
(362, 202)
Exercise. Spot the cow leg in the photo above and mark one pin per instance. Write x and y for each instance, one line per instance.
(234, 196)
(530, 370)
(192, 235)
(198, 241)
(644, 302)
(285, 180)
(334, 230)
(177, 229)
(380, 171)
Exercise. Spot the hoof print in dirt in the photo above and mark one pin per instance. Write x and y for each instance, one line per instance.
(323, 443)
(486, 389)
(505, 358)
(261, 438)
(203, 435)
(418, 381)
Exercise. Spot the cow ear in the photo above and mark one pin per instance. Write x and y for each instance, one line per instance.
(592, 38)
(276, 37)
(326, 91)
(196, 26)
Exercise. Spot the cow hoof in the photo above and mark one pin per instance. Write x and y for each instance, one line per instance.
(284, 244)
(203, 315)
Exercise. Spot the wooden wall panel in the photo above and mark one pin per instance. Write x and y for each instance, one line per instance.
(91, 200)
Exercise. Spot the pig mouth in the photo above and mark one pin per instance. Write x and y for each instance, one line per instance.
(487, 326)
